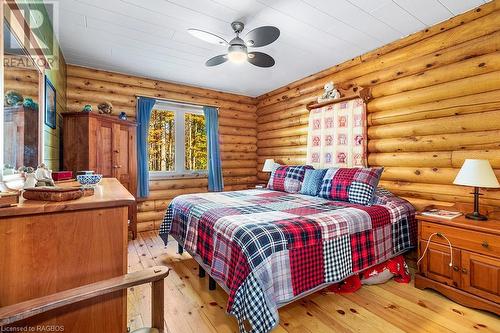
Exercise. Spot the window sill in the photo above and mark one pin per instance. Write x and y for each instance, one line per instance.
(188, 175)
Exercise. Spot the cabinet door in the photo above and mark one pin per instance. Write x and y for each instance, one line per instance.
(436, 264)
(124, 157)
(481, 275)
(104, 146)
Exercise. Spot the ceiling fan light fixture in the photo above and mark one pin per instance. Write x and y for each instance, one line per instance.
(237, 54)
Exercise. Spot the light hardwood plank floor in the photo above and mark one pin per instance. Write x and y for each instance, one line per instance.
(390, 307)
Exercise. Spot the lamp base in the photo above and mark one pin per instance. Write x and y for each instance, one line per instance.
(476, 216)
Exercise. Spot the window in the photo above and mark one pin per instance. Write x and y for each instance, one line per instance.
(177, 139)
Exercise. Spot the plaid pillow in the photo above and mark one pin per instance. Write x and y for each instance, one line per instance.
(287, 178)
(312, 181)
(355, 185)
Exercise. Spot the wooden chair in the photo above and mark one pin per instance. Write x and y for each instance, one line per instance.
(154, 275)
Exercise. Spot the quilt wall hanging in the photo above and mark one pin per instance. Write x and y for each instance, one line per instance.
(337, 134)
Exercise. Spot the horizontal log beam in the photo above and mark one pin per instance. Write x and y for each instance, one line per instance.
(482, 102)
(483, 121)
(444, 142)
(413, 159)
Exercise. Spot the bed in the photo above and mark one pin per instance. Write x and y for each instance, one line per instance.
(268, 248)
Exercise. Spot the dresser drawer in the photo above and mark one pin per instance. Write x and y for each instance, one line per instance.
(464, 239)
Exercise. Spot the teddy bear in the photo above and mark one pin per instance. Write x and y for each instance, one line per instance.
(105, 108)
(330, 92)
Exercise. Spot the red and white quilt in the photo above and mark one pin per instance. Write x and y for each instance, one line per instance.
(268, 248)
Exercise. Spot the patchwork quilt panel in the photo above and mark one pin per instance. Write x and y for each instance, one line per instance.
(288, 178)
(268, 248)
(355, 185)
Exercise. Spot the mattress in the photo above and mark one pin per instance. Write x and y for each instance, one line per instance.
(269, 248)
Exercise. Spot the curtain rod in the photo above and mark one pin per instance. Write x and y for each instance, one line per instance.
(176, 101)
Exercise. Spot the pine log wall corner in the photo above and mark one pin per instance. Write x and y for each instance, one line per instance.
(436, 101)
(237, 127)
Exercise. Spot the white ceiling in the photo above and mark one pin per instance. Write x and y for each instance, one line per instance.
(149, 38)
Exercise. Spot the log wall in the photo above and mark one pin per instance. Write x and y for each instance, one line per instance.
(237, 127)
(436, 101)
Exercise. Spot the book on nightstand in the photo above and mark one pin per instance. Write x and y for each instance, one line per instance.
(441, 213)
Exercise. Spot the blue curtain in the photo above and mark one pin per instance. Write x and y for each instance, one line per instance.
(144, 107)
(215, 183)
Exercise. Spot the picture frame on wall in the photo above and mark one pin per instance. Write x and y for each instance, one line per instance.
(50, 104)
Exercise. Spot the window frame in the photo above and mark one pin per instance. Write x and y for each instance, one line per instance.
(180, 110)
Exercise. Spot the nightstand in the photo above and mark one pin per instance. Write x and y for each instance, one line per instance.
(473, 277)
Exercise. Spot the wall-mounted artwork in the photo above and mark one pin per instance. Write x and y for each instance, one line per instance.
(50, 104)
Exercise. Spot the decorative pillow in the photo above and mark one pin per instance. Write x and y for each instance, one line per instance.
(287, 178)
(355, 185)
(312, 181)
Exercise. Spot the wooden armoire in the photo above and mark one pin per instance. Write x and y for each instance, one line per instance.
(102, 143)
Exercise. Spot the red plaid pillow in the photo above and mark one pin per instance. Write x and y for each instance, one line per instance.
(355, 185)
(288, 178)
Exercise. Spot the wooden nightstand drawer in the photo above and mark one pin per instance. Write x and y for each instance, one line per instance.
(471, 240)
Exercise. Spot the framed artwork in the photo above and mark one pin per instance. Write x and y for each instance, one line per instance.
(50, 104)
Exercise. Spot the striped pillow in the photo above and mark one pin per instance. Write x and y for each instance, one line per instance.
(287, 178)
(312, 181)
(355, 185)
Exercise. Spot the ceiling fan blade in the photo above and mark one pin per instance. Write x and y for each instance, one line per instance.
(217, 60)
(207, 36)
(260, 59)
(262, 36)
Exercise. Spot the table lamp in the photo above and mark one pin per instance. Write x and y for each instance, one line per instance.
(477, 173)
(268, 165)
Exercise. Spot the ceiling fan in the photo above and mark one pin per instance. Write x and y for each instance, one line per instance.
(237, 51)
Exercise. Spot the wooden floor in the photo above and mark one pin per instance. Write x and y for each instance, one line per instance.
(391, 307)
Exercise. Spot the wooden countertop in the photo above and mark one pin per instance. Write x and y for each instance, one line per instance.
(109, 193)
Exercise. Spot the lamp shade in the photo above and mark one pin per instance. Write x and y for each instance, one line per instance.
(268, 165)
(477, 173)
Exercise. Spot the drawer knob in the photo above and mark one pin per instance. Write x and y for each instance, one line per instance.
(464, 270)
(455, 268)
(485, 244)
(439, 235)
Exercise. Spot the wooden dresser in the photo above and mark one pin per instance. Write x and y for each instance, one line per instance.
(47, 247)
(102, 143)
(473, 279)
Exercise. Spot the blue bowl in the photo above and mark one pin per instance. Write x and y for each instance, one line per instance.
(89, 180)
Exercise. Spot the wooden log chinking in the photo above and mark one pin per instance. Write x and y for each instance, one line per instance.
(284, 160)
(466, 86)
(126, 96)
(283, 151)
(470, 67)
(297, 111)
(471, 140)
(95, 77)
(282, 133)
(170, 184)
(432, 175)
(229, 164)
(298, 140)
(411, 159)
(449, 193)
(475, 122)
(289, 122)
(492, 155)
(238, 172)
(458, 52)
(481, 102)
(247, 148)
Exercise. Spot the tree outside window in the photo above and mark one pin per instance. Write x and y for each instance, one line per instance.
(177, 140)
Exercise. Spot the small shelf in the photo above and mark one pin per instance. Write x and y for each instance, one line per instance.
(364, 94)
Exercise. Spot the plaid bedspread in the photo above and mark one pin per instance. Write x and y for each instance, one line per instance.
(269, 248)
